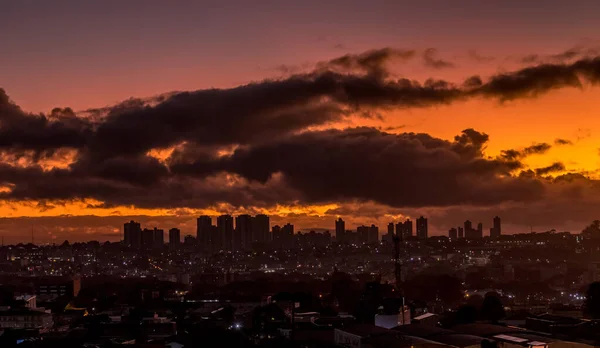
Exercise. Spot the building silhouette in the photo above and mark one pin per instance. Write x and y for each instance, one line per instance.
(389, 236)
(225, 232)
(404, 230)
(174, 236)
(422, 230)
(159, 238)
(261, 226)
(453, 233)
(363, 233)
(479, 230)
(496, 230)
(203, 232)
(340, 230)
(132, 234)
(461, 232)
(243, 236)
(373, 236)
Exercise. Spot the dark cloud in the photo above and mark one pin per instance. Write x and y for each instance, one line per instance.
(373, 62)
(576, 52)
(560, 141)
(554, 167)
(537, 149)
(251, 145)
(366, 164)
(41, 134)
(430, 59)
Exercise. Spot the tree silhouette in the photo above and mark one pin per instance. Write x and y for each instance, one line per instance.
(592, 301)
(466, 314)
(592, 231)
(492, 308)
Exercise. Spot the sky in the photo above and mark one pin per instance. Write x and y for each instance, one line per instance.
(306, 110)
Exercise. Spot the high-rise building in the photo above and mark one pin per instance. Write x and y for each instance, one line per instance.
(277, 236)
(261, 226)
(363, 233)
(340, 230)
(174, 237)
(287, 231)
(469, 231)
(496, 231)
(461, 232)
(453, 233)
(225, 231)
(389, 237)
(373, 236)
(203, 232)
(407, 230)
(159, 238)
(132, 234)
(147, 240)
(422, 228)
(479, 230)
(243, 236)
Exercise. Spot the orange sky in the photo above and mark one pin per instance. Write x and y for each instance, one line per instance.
(87, 56)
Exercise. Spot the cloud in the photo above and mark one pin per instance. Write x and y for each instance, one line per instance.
(560, 141)
(373, 61)
(430, 59)
(537, 149)
(575, 52)
(394, 169)
(554, 167)
(269, 142)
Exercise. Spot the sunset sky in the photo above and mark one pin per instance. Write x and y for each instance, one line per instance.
(305, 110)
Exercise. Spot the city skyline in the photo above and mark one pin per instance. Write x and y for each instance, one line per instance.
(296, 112)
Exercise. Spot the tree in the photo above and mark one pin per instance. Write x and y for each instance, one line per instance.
(492, 308)
(592, 301)
(466, 314)
(592, 231)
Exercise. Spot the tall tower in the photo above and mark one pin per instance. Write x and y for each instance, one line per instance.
(225, 231)
(174, 237)
(203, 232)
(422, 232)
(340, 229)
(497, 229)
(132, 234)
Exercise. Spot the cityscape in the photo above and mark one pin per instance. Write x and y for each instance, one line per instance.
(300, 174)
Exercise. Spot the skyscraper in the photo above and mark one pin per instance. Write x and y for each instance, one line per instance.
(389, 237)
(452, 233)
(461, 232)
(147, 239)
(243, 232)
(132, 234)
(287, 232)
(261, 226)
(225, 231)
(469, 231)
(159, 238)
(174, 237)
(496, 231)
(373, 236)
(340, 229)
(479, 230)
(203, 232)
(277, 236)
(363, 234)
(407, 229)
(422, 228)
